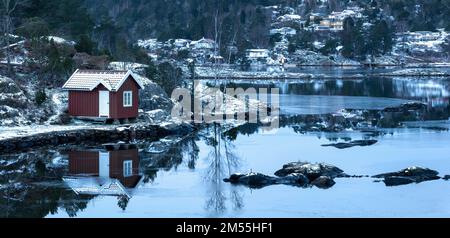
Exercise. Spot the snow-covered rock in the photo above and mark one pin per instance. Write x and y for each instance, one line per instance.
(13, 103)
(153, 97)
(60, 40)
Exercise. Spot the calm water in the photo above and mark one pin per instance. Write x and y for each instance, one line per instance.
(184, 179)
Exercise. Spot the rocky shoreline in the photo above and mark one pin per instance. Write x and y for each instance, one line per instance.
(228, 74)
(98, 135)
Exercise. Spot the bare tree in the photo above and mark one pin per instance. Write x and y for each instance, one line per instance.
(8, 7)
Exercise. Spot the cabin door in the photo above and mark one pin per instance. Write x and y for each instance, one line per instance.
(103, 103)
(103, 165)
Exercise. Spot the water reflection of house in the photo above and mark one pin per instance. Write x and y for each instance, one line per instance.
(113, 170)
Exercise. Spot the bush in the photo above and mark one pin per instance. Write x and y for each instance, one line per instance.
(40, 97)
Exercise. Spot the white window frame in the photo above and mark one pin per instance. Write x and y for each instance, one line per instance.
(127, 168)
(128, 102)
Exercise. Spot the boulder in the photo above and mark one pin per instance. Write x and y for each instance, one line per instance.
(311, 171)
(352, 144)
(409, 175)
(153, 97)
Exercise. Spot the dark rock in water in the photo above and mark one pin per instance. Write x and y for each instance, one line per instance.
(352, 144)
(446, 177)
(353, 176)
(411, 106)
(257, 180)
(436, 128)
(397, 181)
(323, 182)
(252, 180)
(409, 175)
(293, 179)
(311, 171)
(300, 174)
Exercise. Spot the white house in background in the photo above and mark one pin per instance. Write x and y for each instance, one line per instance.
(289, 17)
(203, 44)
(335, 21)
(418, 36)
(316, 15)
(255, 54)
(286, 31)
(181, 43)
(150, 44)
(321, 28)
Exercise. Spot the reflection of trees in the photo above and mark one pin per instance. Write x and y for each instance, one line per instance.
(151, 163)
(223, 162)
(38, 202)
(246, 129)
(122, 202)
(32, 189)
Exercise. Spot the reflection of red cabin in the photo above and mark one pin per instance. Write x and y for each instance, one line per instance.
(103, 94)
(121, 164)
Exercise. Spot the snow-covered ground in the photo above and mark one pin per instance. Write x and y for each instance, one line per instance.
(20, 131)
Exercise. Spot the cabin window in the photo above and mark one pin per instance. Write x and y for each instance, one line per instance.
(128, 99)
(128, 168)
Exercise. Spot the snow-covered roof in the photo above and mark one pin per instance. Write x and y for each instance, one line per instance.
(257, 50)
(88, 80)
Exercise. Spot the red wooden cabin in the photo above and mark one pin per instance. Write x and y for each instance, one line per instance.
(103, 94)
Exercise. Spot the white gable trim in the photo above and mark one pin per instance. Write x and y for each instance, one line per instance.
(102, 82)
(130, 73)
(65, 85)
(105, 83)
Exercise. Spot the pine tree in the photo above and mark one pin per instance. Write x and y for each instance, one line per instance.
(85, 44)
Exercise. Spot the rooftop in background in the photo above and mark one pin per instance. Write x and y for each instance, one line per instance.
(88, 80)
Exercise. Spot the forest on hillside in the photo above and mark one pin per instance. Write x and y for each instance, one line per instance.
(112, 25)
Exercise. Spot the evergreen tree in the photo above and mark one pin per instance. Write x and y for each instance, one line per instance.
(85, 44)
(381, 38)
(348, 38)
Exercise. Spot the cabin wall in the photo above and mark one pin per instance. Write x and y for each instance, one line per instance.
(84, 162)
(117, 110)
(83, 103)
(116, 166)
